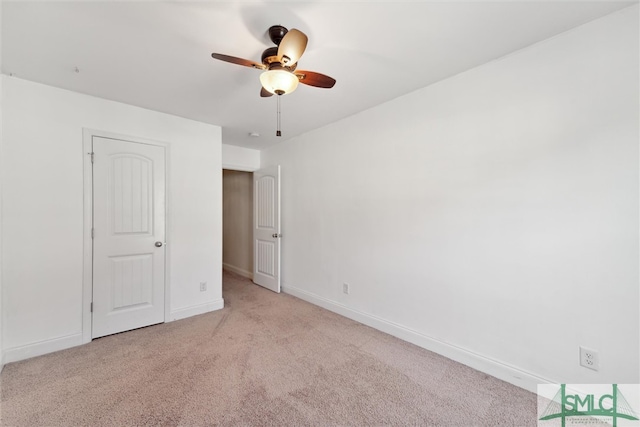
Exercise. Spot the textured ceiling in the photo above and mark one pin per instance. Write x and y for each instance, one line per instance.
(156, 55)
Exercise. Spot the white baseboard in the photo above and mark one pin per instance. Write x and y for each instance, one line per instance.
(42, 347)
(194, 310)
(238, 270)
(495, 368)
(49, 346)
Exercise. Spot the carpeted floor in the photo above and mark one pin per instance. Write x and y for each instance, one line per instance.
(265, 359)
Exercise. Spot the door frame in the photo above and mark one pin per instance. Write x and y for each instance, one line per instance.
(87, 245)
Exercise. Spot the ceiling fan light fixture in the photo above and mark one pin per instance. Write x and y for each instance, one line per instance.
(279, 82)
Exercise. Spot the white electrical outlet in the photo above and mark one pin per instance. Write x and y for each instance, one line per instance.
(589, 358)
(345, 288)
(203, 286)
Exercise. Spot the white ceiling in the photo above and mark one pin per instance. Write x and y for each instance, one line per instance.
(156, 55)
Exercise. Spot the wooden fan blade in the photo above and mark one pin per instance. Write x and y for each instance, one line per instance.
(292, 47)
(239, 61)
(265, 93)
(312, 78)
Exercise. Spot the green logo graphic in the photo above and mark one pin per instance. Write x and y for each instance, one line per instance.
(612, 405)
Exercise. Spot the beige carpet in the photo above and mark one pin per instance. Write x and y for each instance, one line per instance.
(265, 359)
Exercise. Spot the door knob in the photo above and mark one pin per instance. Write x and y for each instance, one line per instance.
(158, 244)
(276, 235)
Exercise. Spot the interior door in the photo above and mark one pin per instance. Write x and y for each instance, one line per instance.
(129, 235)
(266, 228)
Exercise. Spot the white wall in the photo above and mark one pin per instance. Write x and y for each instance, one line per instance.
(240, 158)
(492, 217)
(42, 213)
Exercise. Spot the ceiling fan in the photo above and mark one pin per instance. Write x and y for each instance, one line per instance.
(279, 63)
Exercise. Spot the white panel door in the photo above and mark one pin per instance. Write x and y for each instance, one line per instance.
(266, 228)
(129, 235)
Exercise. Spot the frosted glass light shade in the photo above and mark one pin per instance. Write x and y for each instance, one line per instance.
(279, 82)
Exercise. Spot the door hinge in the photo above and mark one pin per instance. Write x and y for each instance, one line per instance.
(93, 233)
(92, 156)
(91, 307)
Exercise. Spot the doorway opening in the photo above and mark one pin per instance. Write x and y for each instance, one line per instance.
(237, 222)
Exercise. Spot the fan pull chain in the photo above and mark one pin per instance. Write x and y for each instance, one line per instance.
(278, 133)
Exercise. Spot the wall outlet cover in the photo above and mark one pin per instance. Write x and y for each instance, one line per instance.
(589, 358)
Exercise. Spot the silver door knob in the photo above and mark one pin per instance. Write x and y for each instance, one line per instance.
(276, 235)
(158, 244)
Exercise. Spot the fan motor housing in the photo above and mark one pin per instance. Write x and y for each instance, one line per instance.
(270, 59)
(270, 55)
